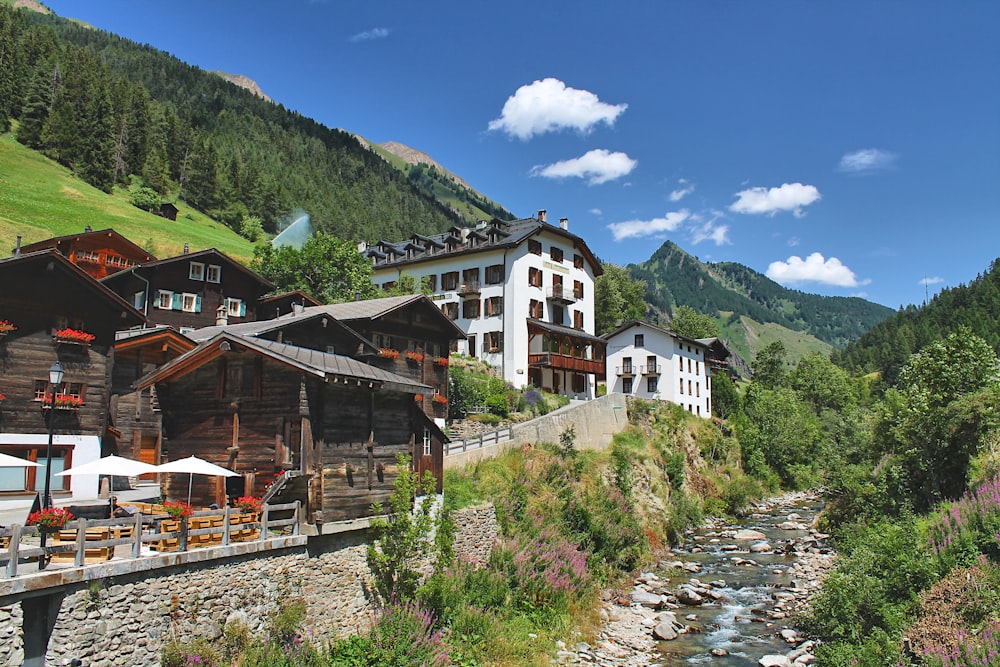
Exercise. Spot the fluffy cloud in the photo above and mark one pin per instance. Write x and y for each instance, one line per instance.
(549, 105)
(813, 269)
(374, 33)
(867, 159)
(787, 197)
(598, 166)
(719, 234)
(936, 280)
(680, 193)
(793, 241)
(638, 228)
(596, 211)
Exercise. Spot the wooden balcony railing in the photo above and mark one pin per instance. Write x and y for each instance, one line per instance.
(566, 363)
(561, 293)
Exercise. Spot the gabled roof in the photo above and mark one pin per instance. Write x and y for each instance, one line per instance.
(161, 335)
(289, 295)
(9, 266)
(653, 327)
(330, 367)
(260, 327)
(103, 234)
(203, 256)
(371, 309)
(565, 331)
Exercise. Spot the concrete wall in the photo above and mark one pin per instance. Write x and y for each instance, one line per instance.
(595, 423)
(127, 619)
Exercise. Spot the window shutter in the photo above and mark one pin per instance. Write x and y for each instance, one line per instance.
(243, 309)
(197, 304)
(177, 302)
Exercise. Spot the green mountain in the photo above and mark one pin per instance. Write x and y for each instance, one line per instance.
(889, 344)
(747, 304)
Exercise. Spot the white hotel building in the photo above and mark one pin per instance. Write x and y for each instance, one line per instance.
(523, 292)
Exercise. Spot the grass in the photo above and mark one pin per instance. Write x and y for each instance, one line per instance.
(748, 336)
(40, 199)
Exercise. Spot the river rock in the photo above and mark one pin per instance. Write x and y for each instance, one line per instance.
(645, 599)
(746, 534)
(792, 525)
(689, 596)
(774, 661)
(790, 636)
(665, 632)
(761, 548)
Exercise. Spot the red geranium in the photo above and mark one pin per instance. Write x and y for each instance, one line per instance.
(75, 335)
(177, 509)
(52, 518)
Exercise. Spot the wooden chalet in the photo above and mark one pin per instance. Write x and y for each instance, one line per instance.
(324, 427)
(51, 309)
(167, 210)
(276, 305)
(192, 290)
(718, 356)
(568, 352)
(100, 253)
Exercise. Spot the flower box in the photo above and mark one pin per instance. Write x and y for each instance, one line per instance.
(415, 357)
(50, 519)
(73, 337)
(2, 398)
(439, 399)
(388, 353)
(177, 509)
(62, 402)
(418, 398)
(248, 504)
(442, 361)
(6, 327)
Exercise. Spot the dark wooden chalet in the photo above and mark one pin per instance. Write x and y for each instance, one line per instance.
(328, 424)
(100, 253)
(50, 309)
(167, 210)
(276, 305)
(192, 290)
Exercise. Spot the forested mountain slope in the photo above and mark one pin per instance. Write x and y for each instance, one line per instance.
(115, 111)
(728, 291)
(889, 344)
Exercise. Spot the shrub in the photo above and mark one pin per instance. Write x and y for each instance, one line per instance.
(498, 405)
(403, 634)
(147, 199)
(486, 419)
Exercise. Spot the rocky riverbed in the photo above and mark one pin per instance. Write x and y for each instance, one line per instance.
(727, 597)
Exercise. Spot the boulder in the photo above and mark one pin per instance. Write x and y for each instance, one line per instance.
(645, 599)
(665, 632)
(746, 535)
(774, 661)
(761, 548)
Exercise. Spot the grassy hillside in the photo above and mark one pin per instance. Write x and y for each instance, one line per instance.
(745, 336)
(40, 199)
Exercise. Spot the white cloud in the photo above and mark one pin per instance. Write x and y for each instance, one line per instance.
(787, 197)
(709, 231)
(813, 269)
(596, 211)
(549, 105)
(374, 33)
(793, 241)
(867, 159)
(931, 281)
(638, 228)
(683, 191)
(598, 165)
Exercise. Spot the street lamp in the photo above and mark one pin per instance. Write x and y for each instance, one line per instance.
(55, 379)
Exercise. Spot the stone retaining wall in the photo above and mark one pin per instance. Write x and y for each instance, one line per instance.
(127, 619)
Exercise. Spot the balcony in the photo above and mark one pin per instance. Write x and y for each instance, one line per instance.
(566, 363)
(561, 294)
(625, 371)
(469, 289)
(650, 369)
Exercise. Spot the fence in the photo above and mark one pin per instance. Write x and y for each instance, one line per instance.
(478, 442)
(96, 539)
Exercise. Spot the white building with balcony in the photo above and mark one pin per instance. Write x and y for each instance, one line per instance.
(521, 290)
(647, 361)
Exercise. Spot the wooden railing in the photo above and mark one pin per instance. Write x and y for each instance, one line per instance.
(204, 528)
(478, 442)
(566, 362)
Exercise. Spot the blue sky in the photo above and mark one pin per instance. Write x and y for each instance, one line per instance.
(843, 148)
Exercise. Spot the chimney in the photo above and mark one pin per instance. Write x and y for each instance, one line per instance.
(17, 250)
(298, 308)
(564, 224)
(88, 228)
(362, 246)
(187, 248)
(541, 215)
(222, 316)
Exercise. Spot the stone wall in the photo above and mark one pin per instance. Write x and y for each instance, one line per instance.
(127, 619)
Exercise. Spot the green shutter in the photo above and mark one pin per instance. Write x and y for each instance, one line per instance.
(197, 303)
(177, 302)
(243, 309)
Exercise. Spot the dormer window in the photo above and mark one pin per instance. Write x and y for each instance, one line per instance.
(196, 271)
(213, 274)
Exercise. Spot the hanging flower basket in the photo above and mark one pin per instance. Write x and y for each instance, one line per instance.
(62, 402)
(73, 336)
(248, 504)
(6, 327)
(177, 509)
(2, 398)
(50, 520)
(418, 398)
(388, 353)
(415, 357)
(439, 399)
(442, 361)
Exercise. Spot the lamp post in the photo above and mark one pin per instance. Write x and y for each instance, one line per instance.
(55, 379)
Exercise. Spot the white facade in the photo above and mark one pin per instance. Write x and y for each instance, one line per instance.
(503, 284)
(646, 361)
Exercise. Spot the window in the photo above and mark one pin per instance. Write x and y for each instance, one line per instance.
(558, 314)
(388, 285)
(190, 303)
(471, 342)
(681, 360)
(697, 389)
(449, 281)
(689, 365)
(73, 389)
(494, 306)
(494, 274)
(651, 363)
(578, 261)
(577, 289)
(431, 282)
(640, 340)
(697, 368)
(535, 309)
(689, 387)
(534, 247)
(164, 299)
(213, 274)
(236, 308)
(196, 271)
(470, 277)
(492, 342)
(556, 254)
(427, 442)
(681, 387)
(626, 385)
(651, 383)
(578, 319)
(579, 383)
(139, 300)
(450, 309)
(627, 365)
(470, 309)
(534, 277)
(33, 479)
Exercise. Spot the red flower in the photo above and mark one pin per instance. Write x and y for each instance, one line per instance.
(248, 504)
(177, 509)
(6, 326)
(439, 399)
(388, 353)
(442, 361)
(53, 518)
(74, 335)
(414, 356)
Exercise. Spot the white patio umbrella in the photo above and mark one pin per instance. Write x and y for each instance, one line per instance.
(115, 466)
(192, 465)
(8, 461)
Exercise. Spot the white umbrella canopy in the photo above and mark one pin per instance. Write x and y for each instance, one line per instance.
(192, 465)
(116, 466)
(8, 461)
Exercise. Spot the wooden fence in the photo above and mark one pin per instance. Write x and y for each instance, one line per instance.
(95, 540)
(478, 442)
